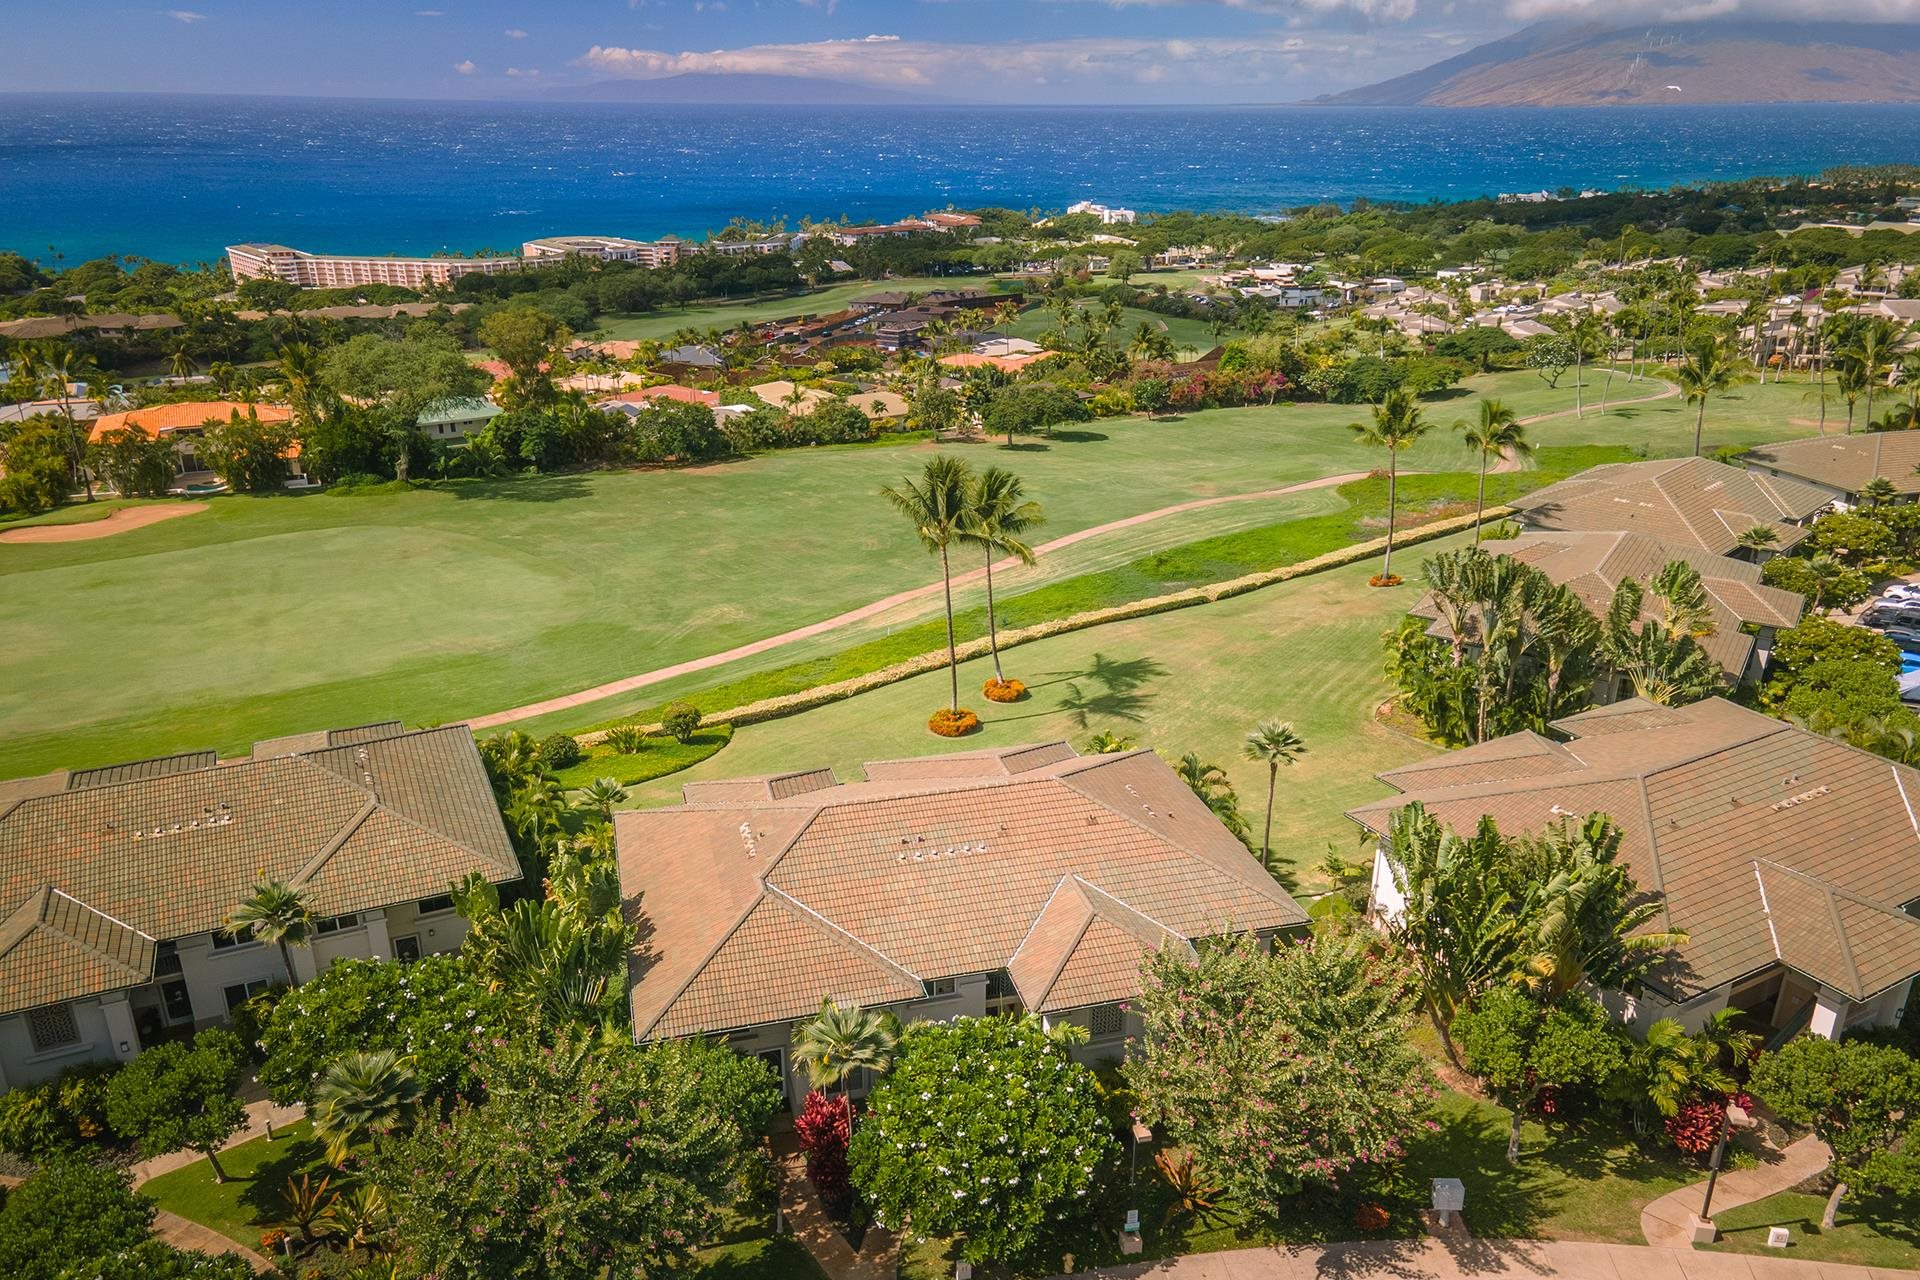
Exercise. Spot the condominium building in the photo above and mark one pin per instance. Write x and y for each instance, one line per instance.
(664, 252)
(1108, 216)
(339, 271)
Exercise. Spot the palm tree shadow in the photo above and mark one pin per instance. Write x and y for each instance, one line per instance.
(1114, 690)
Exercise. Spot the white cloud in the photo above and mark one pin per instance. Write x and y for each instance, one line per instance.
(1484, 12)
(515, 33)
(465, 67)
(524, 72)
(429, 13)
(186, 15)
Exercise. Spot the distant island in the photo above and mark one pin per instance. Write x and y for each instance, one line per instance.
(1559, 64)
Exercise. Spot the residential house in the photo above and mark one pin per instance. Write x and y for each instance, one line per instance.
(112, 325)
(997, 881)
(456, 417)
(1684, 502)
(185, 422)
(1842, 466)
(1108, 216)
(786, 396)
(693, 356)
(115, 882)
(1746, 614)
(1786, 856)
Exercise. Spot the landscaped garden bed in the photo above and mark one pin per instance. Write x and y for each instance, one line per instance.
(659, 757)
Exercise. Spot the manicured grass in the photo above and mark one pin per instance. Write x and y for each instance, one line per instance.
(249, 1201)
(745, 1248)
(1868, 1232)
(269, 615)
(724, 315)
(1573, 1183)
(660, 757)
(81, 512)
(1193, 337)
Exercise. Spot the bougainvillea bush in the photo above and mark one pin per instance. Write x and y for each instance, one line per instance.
(1280, 1069)
(586, 1160)
(824, 1127)
(985, 1129)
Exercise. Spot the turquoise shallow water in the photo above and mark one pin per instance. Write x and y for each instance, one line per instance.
(178, 177)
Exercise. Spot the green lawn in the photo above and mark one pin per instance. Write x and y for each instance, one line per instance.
(1868, 1232)
(1573, 1183)
(660, 757)
(268, 615)
(724, 315)
(249, 1201)
(1193, 337)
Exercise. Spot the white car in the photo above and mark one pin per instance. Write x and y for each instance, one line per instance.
(1901, 593)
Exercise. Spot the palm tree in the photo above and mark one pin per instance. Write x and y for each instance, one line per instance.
(1873, 345)
(1273, 743)
(59, 367)
(1878, 491)
(842, 1039)
(1105, 743)
(1497, 432)
(939, 507)
(1709, 367)
(998, 512)
(1584, 335)
(276, 913)
(601, 795)
(1757, 539)
(1396, 425)
(182, 363)
(362, 1094)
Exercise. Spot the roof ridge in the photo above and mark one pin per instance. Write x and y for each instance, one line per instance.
(859, 942)
(694, 973)
(1035, 922)
(1126, 907)
(331, 847)
(23, 919)
(96, 952)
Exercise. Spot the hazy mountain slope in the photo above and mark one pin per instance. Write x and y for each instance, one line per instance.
(1556, 65)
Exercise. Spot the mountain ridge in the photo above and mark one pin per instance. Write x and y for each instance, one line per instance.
(1565, 64)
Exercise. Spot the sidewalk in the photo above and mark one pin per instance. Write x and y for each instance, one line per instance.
(879, 1255)
(1458, 1258)
(1667, 1223)
(185, 1234)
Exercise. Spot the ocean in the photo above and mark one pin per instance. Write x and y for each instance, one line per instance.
(177, 178)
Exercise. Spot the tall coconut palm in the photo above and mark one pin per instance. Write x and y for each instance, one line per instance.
(1874, 345)
(1498, 432)
(182, 363)
(938, 505)
(842, 1039)
(1273, 744)
(278, 914)
(1585, 335)
(998, 513)
(1397, 424)
(362, 1094)
(1709, 367)
(59, 367)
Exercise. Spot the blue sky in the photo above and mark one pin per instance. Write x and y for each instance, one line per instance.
(978, 50)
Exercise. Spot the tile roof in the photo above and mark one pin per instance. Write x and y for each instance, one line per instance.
(1766, 843)
(55, 947)
(1846, 462)
(188, 415)
(1693, 502)
(366, 818)
(1594, 564)
(932, 868)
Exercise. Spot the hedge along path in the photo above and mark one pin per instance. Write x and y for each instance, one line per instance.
(808, 699)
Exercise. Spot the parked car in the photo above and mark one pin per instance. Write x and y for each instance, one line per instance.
(1880, 616)
(1901, 593)
(1906, 637)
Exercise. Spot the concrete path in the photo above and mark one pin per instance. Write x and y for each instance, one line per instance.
(1457, 1257)
(1668, 1221)
(629, 684)
(186, 1234)
(879, 1255)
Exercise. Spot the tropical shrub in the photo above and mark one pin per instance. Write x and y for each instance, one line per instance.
(558, 751)
(248, 454)
(250, 1017)
(627, 739)
(680, 721)
(32, 1123)
(984, 1129)
(34, 472)
(949, 723)
(1860, 1098)
(1353, 1089)
(1370, 1218)
(1004, 690)
(585, 1159)
(1532, 1054)
(824, 1127)
(136, 464)
(68, 1213)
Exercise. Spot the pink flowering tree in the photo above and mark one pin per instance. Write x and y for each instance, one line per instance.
(985, 1129)
(1282, 1069)
(584, 1161)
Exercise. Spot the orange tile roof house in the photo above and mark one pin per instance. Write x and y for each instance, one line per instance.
(114, 882)
(1791, 860)
(1691, 502)
(1028, 878)
(1594, 565)
(185, 421)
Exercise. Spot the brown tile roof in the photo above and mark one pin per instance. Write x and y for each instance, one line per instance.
(1846, 462)
(1694, 502)
(1717, 806)
(1594, 564)
(166, 848)
(55, 947)
(932, 868)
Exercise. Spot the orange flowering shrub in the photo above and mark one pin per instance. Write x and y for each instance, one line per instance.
(1385, 580)
(953, 724)
(1004, 690)
(1370, 1218)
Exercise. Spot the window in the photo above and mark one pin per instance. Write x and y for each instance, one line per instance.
(941, 986)
(334, 924)
(240, 992)
(179, 1004)
(1106, 1021)
(166, 960)
(224, 941)
(428, 906)
(52, 1027)
(1003, 996)
(406, 949)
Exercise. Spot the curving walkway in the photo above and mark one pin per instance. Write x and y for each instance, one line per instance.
(1457, 1257)
(629, 684)
(1668, 1221)
(184, 1233)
